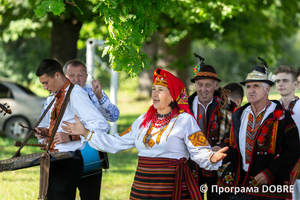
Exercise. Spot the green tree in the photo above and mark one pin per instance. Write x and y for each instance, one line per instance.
(170, 26)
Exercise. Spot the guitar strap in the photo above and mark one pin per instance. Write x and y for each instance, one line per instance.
(18, 153)
(45, 158)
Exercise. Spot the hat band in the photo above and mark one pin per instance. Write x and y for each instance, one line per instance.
(206, 74)
(256, 75)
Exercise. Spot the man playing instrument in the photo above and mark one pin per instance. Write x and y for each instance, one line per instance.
(64, 175)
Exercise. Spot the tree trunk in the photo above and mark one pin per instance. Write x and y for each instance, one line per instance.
(64, 37)
(172, 58)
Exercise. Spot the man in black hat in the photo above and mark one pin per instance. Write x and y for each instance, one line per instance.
(208, 108)
(264, 144)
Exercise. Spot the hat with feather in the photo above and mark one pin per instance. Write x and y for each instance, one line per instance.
(259, 74)
(202, 71)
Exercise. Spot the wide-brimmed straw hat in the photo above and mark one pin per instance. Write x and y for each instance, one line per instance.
(259, 74)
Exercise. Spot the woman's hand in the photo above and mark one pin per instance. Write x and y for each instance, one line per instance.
(74, 128)
(219, 155)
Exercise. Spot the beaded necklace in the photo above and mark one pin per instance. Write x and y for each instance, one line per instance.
(159, 120)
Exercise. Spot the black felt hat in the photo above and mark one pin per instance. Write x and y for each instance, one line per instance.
(202, 71)
(259, 74)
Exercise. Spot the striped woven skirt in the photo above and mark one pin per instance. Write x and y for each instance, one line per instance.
(155, 178)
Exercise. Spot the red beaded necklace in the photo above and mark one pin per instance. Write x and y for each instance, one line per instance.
(164, 119)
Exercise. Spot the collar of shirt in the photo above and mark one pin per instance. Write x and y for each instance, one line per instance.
(206, 105)
(286, 107)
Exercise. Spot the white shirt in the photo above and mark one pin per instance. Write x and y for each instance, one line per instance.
(295, 114)
(195, 105)
(82, 106)
(174, 142)
(243, 129)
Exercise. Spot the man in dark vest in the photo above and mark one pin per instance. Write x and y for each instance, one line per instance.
(209, 104)
(264, 144)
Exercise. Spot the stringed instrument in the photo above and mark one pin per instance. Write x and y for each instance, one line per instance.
(5, 108)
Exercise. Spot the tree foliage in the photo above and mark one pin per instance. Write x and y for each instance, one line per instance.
(254, 27)
(246, 24)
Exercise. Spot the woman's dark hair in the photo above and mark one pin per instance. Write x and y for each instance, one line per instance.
(173, 104)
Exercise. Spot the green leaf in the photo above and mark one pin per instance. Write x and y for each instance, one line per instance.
(58, 7)
(97, 6)
(42, 9)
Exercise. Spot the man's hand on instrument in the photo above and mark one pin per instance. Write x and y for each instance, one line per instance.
(219, 155)
(97, 89)
(41, 132)
(45, 142)
(74, 128)
(61, 137)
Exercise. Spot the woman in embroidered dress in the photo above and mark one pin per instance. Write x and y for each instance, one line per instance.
(165, 137)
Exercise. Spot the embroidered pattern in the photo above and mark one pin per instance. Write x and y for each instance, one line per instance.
(60, 96)
(273, 138)
(206, 74)
(126, 131)
(198, 139)
(201, 118)
(182, 98)
(161, 80)
(252, 128)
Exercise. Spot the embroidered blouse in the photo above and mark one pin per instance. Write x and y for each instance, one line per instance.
(182, 138)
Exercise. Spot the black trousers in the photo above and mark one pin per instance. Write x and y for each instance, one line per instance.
(64, 177)
(210, 182)
(90, 187)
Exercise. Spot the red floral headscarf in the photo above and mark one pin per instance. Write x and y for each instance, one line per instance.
(177, 91)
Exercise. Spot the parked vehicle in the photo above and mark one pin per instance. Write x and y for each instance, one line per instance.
(26, 108)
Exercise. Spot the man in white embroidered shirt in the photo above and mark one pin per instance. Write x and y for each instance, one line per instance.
(286, 83)
(65, 175)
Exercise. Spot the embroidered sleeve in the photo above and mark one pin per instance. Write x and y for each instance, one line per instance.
(198, 139)
(126, 131)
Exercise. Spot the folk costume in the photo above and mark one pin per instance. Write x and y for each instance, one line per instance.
(294, 108)
(214, 121)
(64, 175)
(267, 143)
(164, 144)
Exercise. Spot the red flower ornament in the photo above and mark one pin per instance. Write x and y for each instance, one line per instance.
(279, 114)
(264, 130)
(261, 140)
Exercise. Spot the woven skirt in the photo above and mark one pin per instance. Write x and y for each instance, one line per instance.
(155, 182)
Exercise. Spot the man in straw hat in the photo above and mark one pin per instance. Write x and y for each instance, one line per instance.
(212, 108)
(264, 144)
